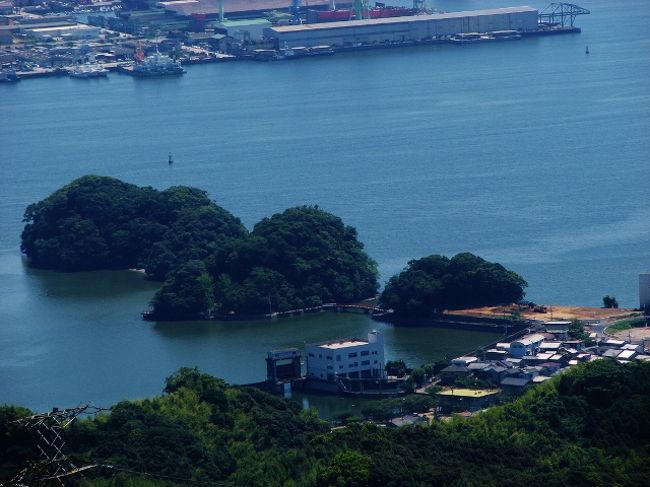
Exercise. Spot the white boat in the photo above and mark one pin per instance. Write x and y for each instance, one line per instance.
(157, 65)
(86, 71)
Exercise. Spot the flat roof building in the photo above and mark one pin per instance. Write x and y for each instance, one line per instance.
(352, 358)
(402, 29)
(78, 31)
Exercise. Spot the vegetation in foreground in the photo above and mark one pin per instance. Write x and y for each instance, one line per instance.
(589, 426)
(432, 284)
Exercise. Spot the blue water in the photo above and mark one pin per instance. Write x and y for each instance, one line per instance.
(529, 153)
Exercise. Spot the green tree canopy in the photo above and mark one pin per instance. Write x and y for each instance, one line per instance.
(302, 257)
(98, 222)
(187, 294)
(434, 283)
(588, 426)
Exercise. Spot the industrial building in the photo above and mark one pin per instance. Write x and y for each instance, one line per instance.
(77, 31)
(403, 29)
(644, 291)
(231, 8)
(352, 358)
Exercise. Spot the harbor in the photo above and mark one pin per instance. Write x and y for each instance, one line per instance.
(60, 46)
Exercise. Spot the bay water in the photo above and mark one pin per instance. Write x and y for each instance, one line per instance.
(530, 153)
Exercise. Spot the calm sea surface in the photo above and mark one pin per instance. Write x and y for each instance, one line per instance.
(529, 153)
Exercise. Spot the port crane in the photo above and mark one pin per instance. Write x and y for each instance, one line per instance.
(561, 13)
(295, 12)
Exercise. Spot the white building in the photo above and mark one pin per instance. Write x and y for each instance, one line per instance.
(527, 345)
(348, 357)
(78, 31)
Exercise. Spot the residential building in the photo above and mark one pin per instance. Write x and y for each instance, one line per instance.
(527, 345)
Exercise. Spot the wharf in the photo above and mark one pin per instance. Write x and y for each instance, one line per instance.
(549, 31)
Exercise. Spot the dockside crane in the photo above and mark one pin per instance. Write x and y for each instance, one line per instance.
(295, 12)
(561, 13)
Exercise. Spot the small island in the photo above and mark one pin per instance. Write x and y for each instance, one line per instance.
(432, 284)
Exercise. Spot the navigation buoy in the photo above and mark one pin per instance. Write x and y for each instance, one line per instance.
(586, 49)
(170, 160)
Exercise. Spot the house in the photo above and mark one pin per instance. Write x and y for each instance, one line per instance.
(550, 346)
(495, 354)
(557, 328)
(449, 374)
(627, 355)
(577, 344)
(464, 360)
(527, 345)
(611, 353)
(352, 358)
(514, 385)
(494, 372)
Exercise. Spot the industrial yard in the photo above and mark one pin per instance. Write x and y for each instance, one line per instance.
(84, 39)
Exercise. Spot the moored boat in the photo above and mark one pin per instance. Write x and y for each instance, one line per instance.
(87, 71)
(9, 76)
(157, 65)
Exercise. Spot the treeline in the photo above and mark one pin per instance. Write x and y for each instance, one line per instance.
(211, 264)
(589, 426)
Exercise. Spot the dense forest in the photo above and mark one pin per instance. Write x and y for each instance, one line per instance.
(103, 223)
(590, 426)
(302, 257)
(211, 264)
(432, 284)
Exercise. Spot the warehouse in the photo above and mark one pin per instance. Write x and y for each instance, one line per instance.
(403, 29)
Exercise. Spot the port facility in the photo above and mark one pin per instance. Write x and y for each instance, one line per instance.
(416, 28)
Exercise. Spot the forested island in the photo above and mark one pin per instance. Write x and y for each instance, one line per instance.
(213, 267)
(211, 264)
(435, 283)
(589, 426)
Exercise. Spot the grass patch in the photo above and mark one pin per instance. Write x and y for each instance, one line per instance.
(626, 324)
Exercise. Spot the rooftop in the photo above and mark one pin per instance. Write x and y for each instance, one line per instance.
(530, 339)
(341, 343)
(189, 7)
(515, 381)
(244, 22)
(400, 20)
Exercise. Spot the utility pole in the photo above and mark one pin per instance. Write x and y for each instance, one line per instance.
(54, 464)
